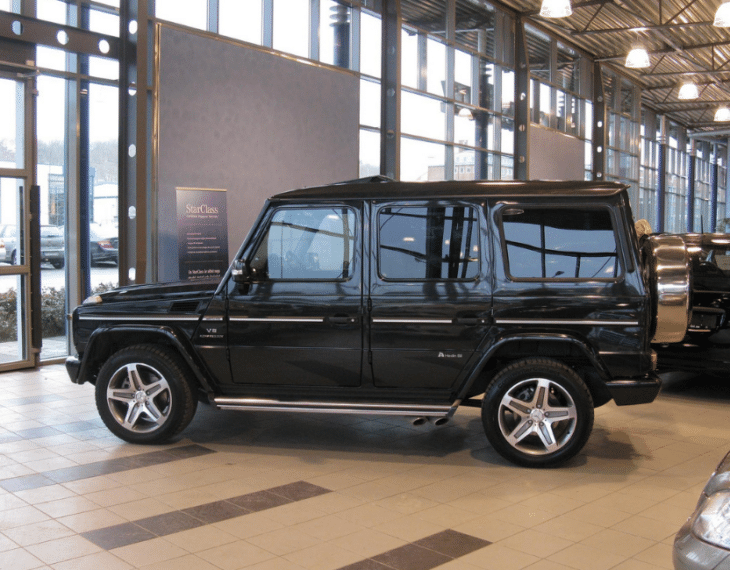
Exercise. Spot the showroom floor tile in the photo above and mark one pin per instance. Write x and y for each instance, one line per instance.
(324, 492)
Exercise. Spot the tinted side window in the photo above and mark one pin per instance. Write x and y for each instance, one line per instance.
(560, 243)
(311, 243)
(439, 242)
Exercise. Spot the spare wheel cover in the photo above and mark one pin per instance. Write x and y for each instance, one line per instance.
(670, 268)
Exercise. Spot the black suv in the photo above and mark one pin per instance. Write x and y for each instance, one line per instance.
(706, 348)
(531, 300)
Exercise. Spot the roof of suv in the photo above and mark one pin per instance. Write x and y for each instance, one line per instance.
(379, 187)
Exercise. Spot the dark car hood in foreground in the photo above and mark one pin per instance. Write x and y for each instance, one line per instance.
(156, 291)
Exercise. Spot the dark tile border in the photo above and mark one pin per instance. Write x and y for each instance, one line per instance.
(141, 530)
(118, 465)
(423, 554)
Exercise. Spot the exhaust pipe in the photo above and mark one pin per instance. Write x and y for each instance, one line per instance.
(437, 422)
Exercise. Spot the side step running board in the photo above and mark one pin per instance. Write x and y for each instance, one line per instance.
(378, 408)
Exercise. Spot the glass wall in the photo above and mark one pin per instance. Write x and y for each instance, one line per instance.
(623, 100)
(648, 169)
(721, 212)
(370, 72)
(703, 185)
(77, 115)
(559, 85)
(560, 89)
(457, 97)
(676, 189)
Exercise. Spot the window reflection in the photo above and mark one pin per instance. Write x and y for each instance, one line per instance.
(307, 244)
(560, 244)
(428, 243)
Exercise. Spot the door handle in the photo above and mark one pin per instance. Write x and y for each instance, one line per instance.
(342, 320)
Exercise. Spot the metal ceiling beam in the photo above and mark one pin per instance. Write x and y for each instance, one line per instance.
(668, 50)
(702, 107)
(674, 85)
(689, 4)
(636, 29)
(628, 7)
(724, 132)
(685, 73)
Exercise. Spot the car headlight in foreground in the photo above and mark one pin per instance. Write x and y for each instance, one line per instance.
(703, 542)
(713, 521)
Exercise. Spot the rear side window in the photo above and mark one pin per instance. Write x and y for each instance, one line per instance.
(560, 244)
(420, 243)
(307, 244)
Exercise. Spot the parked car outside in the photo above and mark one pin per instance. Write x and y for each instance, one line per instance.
(104, 244)
(53, 248)
(7, 236)
(530, 300)
(703, 542)
(706, 347)
(52, 245)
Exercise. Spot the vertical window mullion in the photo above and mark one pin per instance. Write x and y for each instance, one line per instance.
(267, 22)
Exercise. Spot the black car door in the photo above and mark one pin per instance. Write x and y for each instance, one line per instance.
(429, 295)
(299, 323)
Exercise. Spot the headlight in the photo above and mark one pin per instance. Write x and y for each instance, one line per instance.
(93, 300)
(713, 523)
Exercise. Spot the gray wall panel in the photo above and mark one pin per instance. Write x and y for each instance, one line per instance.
(555, 155)
(251, 122)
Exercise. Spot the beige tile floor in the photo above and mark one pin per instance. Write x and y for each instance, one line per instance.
(348, 492)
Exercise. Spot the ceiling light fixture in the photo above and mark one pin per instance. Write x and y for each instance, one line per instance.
(638, 58)
(556, 9)
(688, 91)
(722, 114)
(722, 16)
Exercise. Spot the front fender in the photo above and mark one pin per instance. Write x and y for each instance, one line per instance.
(106, 340)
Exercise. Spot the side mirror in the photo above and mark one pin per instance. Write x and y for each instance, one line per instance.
(241, 272)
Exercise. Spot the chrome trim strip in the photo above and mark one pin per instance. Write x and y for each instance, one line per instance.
(330, 407)
(414, 321)
(139, 318)
(277, 319)
(565, 322)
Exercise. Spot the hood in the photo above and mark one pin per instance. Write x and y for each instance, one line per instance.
(155, 291)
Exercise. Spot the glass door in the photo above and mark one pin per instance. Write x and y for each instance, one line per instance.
(17, 167)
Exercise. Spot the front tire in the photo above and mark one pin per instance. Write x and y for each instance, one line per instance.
(144, 394)
(537, 412)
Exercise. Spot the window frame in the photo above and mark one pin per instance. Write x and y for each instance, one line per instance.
(378, 209)
(615, 224)
(266, 226)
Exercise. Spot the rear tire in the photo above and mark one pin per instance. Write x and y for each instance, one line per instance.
(537, 412)
(144, 394)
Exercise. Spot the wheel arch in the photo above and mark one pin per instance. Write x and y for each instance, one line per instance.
(106, 341)
(571, 351)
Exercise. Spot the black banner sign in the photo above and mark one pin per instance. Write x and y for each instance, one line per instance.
(202, 233)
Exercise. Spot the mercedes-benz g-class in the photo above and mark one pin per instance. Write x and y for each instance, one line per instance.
(532, 300)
